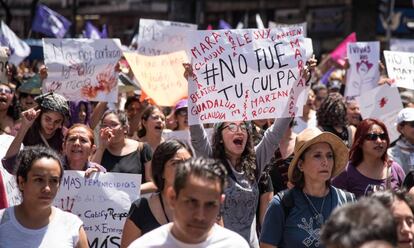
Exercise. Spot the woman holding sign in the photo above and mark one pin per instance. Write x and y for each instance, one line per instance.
(232, 145)
(78, 146)
(35, 222)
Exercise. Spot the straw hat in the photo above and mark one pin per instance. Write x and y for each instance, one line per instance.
(311, 136)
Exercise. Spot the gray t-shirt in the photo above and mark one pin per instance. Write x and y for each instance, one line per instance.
(242, 195)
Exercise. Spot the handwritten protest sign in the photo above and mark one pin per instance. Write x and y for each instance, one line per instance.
(161, 77)
(246, 74)
(304, 25)
(82, 69)
(400, 66)
(3, 64)
(363, 73)
(13, 195)
(102, 202)
(402, 45)
(382, 103)
(158, 37)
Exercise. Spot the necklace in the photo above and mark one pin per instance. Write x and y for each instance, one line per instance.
(163, 208)
(319, 216)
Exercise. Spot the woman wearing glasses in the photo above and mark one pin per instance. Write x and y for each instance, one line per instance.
(181, 115)
(152, 125)
(117, 153)
(369, 168)
(232, 145)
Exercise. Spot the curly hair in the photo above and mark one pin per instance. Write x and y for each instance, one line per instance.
(29, 155)
(332, 111)
(248, 157)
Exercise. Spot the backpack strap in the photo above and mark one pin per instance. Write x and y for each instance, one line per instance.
(344, 196)
(286, 200)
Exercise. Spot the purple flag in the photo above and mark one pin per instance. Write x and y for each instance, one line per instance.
(93, 32)
(223, 25)
(49, 22)
(104, 33)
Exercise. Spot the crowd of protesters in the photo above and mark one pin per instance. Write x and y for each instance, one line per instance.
(286, 179)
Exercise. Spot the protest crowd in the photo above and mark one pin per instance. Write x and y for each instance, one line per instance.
(221, 138)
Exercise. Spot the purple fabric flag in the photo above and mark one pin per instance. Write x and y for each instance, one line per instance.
(19, 49)
(325, 77)
(223, 25)
(49, 22)
(91, 32)
(104, 33)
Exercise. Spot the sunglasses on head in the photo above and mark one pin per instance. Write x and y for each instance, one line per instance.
(375, 136)
(24, 95)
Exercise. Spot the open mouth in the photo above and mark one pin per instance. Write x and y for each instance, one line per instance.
(238, 141)
(3, 99)
(158, 127)
(77, 151)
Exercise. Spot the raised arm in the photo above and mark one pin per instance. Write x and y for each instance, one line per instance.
(200, 141)
(28, 118)
(270, 141)
(97, 114)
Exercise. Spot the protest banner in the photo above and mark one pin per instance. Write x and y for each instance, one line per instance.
(304, 25)
(82, 69)
(382, 103)
(4, 58)
(101, 201)
(400, 66)
(161, 77)
(158, 37)
(402, 45)
(9, 184)
(363, 73)
(246, 74)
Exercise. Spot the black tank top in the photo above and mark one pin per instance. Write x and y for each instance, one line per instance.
(141, 215)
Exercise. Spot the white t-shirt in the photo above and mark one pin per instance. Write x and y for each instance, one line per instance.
(220, 237)
(62, 231)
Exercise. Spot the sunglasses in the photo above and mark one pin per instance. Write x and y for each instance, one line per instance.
(375, 136)
(234, 127)
(5, 91)
(24, 95)
(182, 112)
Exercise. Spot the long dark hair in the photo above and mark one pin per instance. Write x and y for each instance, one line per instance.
(248, 157)
(164, 152)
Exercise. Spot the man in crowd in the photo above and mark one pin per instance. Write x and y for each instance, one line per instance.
(362, 223)
(196, 198)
